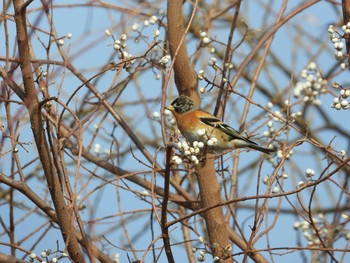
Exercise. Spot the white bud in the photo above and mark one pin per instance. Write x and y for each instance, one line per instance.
(266, 179)
(269, 105)
(179, 145)
(331, 29)
(164, 60)
(340, 46)
(344, 93)
(201, 239)
(266, 133)
(178, 161)
(337, 106)
(279, 154)
(153, 19)
(215, 141)
(338, 55)
(309, 172)
(275, 190)
(97, 148)
(156, 115)
(201, 132)
(304, 73)
(344, 104)
(317, 102)
(156, 33)
(135, 27)
(312, 65)
(206, 40)
(203, 34)
(108, 32)
(130, 70)
(306, 98)
(347, 236)
(229, 65)
(296, 225)
(60, 42)
(200, 145)
(201, 258)
(167, 112)
(334, 39)
(69, 35)
(285, 175)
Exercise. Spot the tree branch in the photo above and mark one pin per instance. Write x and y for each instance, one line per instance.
(31, 101)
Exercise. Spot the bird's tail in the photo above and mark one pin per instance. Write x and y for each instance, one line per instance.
(261, 149)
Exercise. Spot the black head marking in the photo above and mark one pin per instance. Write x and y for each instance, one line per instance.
(184, 104)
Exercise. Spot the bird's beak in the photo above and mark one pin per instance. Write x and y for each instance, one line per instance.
(169, 107)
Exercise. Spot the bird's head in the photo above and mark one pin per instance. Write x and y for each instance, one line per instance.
(182, 104)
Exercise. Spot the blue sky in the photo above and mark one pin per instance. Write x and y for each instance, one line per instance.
(90, 49)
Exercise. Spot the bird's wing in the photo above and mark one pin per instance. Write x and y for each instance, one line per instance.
(217, 124)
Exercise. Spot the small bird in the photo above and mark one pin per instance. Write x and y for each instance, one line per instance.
(192, 121)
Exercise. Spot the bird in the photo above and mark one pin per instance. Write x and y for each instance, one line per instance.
(198, 125)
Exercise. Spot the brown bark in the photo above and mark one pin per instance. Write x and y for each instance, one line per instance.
(214, 218)
(210, 193)
(186, 83)
(346, 19)
(185, 76)
(64, 214)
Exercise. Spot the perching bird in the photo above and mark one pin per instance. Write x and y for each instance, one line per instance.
(192, 121)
